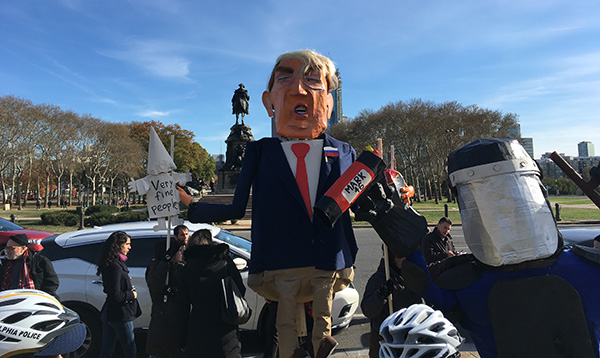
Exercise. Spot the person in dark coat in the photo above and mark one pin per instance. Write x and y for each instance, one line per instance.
(438, 244)
(162, 341)
(200, 286)
(375, 305)
(23, 268)
(121, 306)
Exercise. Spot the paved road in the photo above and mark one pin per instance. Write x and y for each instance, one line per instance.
(353, 340)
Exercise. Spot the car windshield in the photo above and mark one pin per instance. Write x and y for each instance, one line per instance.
(6, 225)
(234, 240)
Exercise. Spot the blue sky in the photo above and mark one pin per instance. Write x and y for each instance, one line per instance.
(180, 61)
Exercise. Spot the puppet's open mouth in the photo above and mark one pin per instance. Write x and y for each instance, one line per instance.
(300, 110)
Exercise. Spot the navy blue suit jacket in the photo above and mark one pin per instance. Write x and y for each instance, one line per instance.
(283, 236)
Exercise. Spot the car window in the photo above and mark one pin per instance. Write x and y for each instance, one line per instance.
(6, 225)
(142, 251)
(234, 240)
(140, 255)
(87, 253)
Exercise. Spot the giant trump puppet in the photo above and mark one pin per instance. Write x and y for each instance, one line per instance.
(296, 257)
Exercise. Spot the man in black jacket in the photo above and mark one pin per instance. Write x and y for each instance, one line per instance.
(25, 269)
(438, 245)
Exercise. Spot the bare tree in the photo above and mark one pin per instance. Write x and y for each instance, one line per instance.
(423, 133)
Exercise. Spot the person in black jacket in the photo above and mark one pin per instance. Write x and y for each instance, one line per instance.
(375, 305)
(121, 306)
(23, 268)
(200, 286)
(438, 244)
(162, 340)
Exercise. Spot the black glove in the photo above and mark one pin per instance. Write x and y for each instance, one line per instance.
(372, 203)
(386, 289)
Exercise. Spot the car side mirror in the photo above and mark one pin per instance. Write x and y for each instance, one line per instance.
(240, 263)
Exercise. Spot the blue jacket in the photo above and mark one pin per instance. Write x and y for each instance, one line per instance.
(283, 236)
(472, 301)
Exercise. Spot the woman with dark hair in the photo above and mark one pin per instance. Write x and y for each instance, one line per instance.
(121, 306)
(200, 286)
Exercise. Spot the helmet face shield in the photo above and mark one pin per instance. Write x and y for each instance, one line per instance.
(506, 219)
(505, 214)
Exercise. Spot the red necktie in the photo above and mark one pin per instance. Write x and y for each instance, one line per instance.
(300, 150)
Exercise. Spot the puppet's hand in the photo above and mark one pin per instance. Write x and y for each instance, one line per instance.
(184, 197)
(131, 185)
(407, 193)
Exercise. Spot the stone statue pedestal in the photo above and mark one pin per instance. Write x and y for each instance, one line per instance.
(236, 147)
(227, 181)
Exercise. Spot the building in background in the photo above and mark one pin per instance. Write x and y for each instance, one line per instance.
(585, 149)
(337, 115)
(527, 143)
(219, 161)
(582, 165)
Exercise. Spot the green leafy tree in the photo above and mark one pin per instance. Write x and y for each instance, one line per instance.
(187, 154)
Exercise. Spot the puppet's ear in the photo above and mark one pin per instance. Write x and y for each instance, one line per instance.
(329, 105)
(266, 99)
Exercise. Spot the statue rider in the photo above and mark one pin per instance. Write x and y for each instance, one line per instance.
(240, 103)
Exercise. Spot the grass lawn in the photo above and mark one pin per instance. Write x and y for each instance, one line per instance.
(29, 217)
(567, 200)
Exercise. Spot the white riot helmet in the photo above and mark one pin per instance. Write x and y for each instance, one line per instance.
(30, 320)
(505, 213)
(418, 332)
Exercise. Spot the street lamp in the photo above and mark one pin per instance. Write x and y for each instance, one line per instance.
(449, 135)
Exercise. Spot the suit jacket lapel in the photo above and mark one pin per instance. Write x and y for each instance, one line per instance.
(329, 166)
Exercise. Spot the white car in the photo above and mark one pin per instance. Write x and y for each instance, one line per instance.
(74, 256)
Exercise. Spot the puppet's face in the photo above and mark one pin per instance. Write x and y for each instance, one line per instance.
(300, 101)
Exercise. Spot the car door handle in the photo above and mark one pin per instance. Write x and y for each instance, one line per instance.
(96, 282)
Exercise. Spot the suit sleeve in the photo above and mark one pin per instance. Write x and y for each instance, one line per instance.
(207, 212)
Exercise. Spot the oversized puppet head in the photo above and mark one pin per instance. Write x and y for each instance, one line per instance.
(503, 205)
(298, 94)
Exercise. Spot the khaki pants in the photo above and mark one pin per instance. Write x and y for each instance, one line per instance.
(292, 288)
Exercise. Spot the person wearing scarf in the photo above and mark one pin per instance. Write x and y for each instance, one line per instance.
(121, 306)
(22, 268)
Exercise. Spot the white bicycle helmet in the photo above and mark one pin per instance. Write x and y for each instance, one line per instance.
(418, 332)
(30, 320)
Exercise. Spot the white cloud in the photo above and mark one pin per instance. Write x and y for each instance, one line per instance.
(151, 114)
(160, 58)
